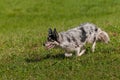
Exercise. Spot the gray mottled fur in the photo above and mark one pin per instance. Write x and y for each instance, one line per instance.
(75, 39)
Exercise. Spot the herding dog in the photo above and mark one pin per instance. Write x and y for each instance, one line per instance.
(75, 39)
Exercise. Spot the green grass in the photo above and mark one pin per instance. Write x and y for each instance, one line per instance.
(23, 29)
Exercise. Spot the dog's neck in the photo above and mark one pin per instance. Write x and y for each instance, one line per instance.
(60, 38)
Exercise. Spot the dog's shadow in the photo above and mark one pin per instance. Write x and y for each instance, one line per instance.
(38, 58)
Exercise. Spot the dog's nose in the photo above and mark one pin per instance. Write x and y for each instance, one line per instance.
(43, 44)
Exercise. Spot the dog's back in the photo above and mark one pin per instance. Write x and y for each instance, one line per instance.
(80, 34)
(86, 32)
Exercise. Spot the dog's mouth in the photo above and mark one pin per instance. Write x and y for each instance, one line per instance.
(50, 46)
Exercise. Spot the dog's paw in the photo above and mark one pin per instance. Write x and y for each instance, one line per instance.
(68, 54)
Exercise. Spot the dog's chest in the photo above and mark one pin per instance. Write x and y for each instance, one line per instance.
(68, 46)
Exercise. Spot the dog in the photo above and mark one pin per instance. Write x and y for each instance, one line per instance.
(76, 38)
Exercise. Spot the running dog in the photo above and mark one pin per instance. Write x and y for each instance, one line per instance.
(75, 39)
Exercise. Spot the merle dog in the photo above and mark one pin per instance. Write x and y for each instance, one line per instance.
(75, 39)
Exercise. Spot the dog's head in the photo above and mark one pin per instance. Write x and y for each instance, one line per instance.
(52, 39)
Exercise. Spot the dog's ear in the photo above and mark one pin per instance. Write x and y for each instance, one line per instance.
(50, 31)
(55, 33)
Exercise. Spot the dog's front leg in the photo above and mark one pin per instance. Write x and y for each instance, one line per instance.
(68, 54)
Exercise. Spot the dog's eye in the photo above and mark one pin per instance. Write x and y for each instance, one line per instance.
(49, 39)
(52, 40)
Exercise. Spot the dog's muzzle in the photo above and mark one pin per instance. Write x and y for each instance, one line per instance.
(48, 45)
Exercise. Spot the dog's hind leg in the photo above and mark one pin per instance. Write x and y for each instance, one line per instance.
(78, 51)
(93, 46)
(82, 52)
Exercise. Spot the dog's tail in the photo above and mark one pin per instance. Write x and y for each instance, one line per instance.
(103, 36)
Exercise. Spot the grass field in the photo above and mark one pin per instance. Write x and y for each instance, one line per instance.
(23, 29)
